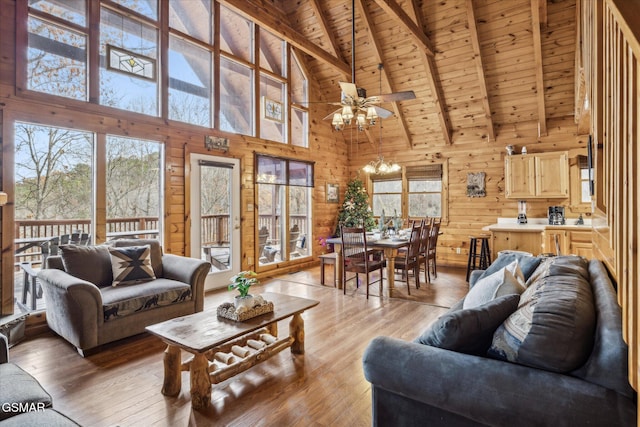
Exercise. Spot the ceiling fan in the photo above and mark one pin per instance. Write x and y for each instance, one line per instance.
(354, 101)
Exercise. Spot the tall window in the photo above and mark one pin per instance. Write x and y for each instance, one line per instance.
(129, 71)
(262, 87)
(387, 195)
(424, 190)
(284, 208)
(133, 187)
(416, 192)
(57, 51)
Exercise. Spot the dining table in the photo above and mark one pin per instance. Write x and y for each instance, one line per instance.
(390, 247)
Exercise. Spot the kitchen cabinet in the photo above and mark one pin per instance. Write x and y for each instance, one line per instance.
(570, 241)
(527, 241)
(580, 243)
(542, 175)
(553, 236)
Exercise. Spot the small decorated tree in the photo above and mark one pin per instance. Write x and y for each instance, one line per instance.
(355, 210)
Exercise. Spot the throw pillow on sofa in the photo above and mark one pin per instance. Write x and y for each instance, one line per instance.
(527, 263)
(131, 265)
(553, 327)
(469, 331)
(508, 280)
(90, 263)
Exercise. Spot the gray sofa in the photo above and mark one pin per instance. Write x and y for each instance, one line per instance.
(84, 308)
(413, 384)
(23, 401)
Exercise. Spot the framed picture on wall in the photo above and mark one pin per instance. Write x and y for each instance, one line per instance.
(332, 193)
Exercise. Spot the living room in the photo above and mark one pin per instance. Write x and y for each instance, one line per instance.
(533, 75)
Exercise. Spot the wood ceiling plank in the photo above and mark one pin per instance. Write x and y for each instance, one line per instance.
(324, 27)
(433, 78)
(537, 52)
(366, 17)
(269, 17)
(473, 30)
(415, 32)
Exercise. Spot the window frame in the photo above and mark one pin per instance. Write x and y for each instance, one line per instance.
(444, 194)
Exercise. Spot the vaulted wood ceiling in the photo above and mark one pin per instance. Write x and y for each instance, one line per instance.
(479, 68)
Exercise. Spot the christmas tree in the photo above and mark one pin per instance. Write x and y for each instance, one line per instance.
(355, 211)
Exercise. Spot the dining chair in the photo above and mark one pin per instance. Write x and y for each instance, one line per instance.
(424, 247)
(409, 259)
(358, 259)
(432, 249)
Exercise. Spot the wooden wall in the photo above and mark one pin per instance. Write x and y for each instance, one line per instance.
(611, 53)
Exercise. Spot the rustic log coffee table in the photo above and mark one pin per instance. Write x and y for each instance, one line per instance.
(222, 348)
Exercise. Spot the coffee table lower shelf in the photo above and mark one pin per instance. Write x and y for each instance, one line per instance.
(229, 347)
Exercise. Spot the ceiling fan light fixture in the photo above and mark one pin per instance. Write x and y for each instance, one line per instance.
(347, 114)
(337, 121)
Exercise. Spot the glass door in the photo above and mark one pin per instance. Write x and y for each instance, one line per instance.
(215, 216)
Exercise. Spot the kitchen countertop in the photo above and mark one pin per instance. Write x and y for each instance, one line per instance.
(534, 225)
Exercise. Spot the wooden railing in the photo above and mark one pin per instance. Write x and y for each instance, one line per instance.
(214, 229)
(272, 223)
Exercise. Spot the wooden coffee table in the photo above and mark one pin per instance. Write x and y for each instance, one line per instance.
(222, 348)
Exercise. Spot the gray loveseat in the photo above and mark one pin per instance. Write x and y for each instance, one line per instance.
(414, 384)
(23, 401)
(84, 308)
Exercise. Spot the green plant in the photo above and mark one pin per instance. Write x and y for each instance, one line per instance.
(243, 281)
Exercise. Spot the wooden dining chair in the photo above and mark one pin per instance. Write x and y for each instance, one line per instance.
(409, 259)
(358, 259)
(424, 247)
(432, 249)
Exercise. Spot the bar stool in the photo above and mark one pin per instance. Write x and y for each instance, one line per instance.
(329, 258)
(484, 257)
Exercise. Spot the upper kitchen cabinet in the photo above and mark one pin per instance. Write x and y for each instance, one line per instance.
(543, 175)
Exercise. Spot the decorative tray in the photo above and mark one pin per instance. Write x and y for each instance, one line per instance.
(228, 311)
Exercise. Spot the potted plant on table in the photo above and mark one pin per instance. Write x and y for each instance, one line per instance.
(242, 282)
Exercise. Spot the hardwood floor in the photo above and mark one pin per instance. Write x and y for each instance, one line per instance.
(121, 384)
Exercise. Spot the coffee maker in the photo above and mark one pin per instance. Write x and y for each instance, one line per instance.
(556, 215)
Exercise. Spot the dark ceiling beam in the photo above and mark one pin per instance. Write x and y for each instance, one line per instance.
(433, 78)
(370, 26)
(475, 43)
(394, 10)
(537, 53)
(271, 18)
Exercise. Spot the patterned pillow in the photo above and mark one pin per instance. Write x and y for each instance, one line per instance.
(506, 281)
(469, 331)
(131, 264)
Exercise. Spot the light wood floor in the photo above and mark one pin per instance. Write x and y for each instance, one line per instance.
(325, 387)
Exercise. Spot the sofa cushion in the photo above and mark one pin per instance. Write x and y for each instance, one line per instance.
(90, 263)
(506, 281)
(553, 327)
(528, 264)
(471, 330)
(122, 300)
(40, 418)
(131, 265)
(19, 386)
(156, 251)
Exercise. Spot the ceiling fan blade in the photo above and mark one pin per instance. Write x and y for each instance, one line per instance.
(330, 116)
(349, 89)
(383, 113)
(396, 96)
